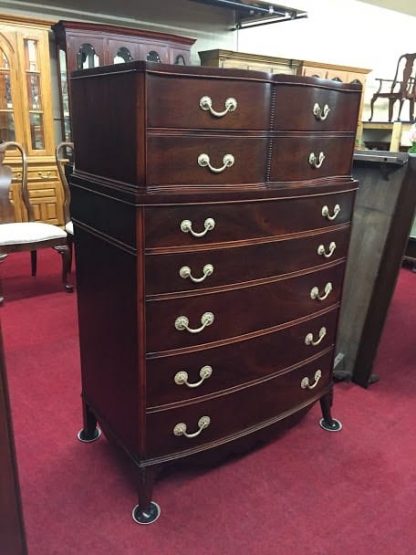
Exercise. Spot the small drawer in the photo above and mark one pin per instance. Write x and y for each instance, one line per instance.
(221, 266)
(225, 415)
(198, 225)
(203, 318)
(205, 160)
(300, 158)
(315, 109)
(37, 174)
(180, 378)
(207, 103)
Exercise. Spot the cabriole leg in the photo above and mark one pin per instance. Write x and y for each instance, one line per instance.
(89, 432)
(147, 511)
(327, 422)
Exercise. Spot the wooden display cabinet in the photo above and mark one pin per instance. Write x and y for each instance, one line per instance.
(26, 114)
(242, 60)
(85, 45)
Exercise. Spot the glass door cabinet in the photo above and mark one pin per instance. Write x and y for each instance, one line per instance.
(26, 115)
(85, 45)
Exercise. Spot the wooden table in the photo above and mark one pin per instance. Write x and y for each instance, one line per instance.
(383, 215)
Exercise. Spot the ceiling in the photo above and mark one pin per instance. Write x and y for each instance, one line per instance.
(403, 6)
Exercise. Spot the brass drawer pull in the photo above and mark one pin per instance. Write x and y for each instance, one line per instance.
(186, 227)
(181, 378)
(46, 175)
(316, 295)
(327, 215)
(319, 113)
(206, 104)
(186, 272)
(180, 428)
(305, 384)
(182, 323)
(204, 161)
(322, 251)
(316, 161)
(309, 340)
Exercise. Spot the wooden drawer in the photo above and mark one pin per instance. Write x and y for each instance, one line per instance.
(169, 108)
(244, 221)
(277, 395)
(38, 174)
(222, 266)
(239, 311)
(236, 363)
(291, 158)
(182, 160)
(342, 115)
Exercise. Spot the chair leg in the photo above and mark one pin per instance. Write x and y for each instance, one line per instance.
(400, 109)
(411, 110)
(64, 251)
(2, 258)
(71, 250)
(371, 108)
(391, 105)
(34, 262)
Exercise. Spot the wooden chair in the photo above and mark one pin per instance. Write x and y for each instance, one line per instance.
(61, 162)
(30, 235)
(402, 87)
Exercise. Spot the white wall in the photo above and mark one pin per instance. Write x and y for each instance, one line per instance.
(345, 32)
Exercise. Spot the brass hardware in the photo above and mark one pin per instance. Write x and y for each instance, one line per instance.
(186, 272)
(327, 215)
(180, 428)
(181, 377)
(182, 323)
(305, 384)
(319, 113)
(204, 161)
(206, 104)
(316, 295)
(45, 175)
(186, 227)
(316, 161)
(309, 340)
(322, 251)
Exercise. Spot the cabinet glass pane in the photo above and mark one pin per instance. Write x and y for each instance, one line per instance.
(34, 96)
(36, 131)
(87, 57)
(7, 130)
(33, 91)
(123, 55)
(153, 56)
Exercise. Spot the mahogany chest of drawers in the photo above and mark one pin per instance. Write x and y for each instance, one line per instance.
(212, 213)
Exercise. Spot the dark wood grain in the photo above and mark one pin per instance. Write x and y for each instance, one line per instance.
(254, 358)
(12, 533)
(174, 160)
(290, 157)
(277, 395)
(244, 221)
(252, 112)
(243, 263)
(136, 180)
(342, 115)
(239, 311)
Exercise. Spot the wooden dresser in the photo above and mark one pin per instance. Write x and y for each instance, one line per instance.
(212, 212)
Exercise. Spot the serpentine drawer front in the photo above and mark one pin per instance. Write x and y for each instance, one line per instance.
(317, 109)
(199, 269)
(286, 391)
(212, 213)
(216, 223)
(202, 318)
(237, 362)
(210, 104)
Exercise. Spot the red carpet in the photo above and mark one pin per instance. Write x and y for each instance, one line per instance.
(308, 493)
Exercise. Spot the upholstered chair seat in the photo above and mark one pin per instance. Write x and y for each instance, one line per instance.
(29, 232)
